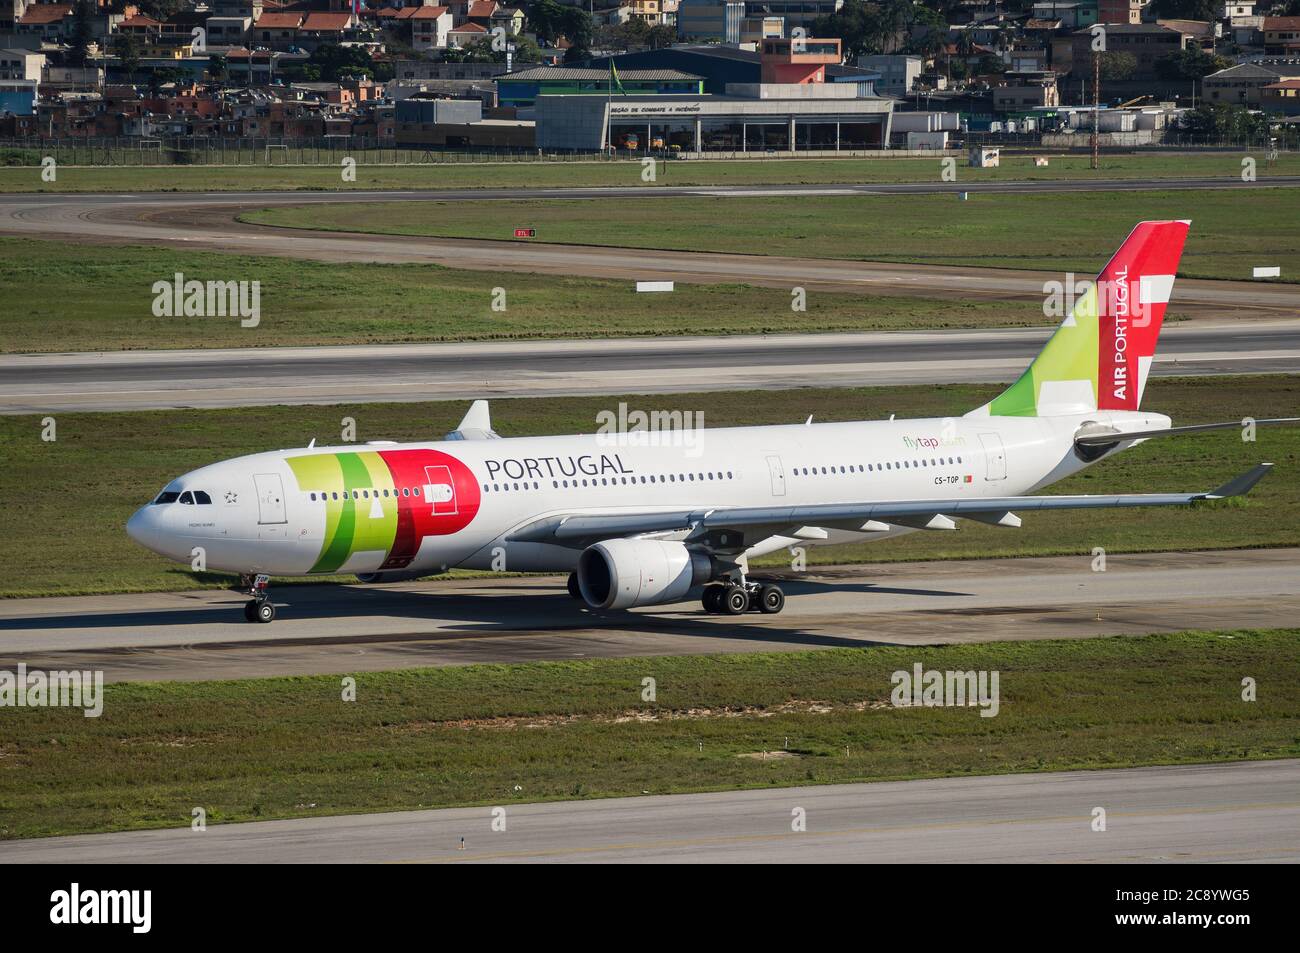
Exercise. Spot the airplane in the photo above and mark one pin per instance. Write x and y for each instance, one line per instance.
(642, 519)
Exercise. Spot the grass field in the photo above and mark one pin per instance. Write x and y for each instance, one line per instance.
(1232, 231)
(66, 502)
(498, 734)
(104, 302)
(530, 175)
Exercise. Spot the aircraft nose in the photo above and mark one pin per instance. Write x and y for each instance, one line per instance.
(144, 529)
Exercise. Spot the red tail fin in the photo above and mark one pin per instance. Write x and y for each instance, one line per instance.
(1132, 293)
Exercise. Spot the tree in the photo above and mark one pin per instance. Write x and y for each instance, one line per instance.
(551, 20)
(546, 17)
(876, 27)
(579, 30)
(1191, 63)
(661, 35)
(161, 9)
(1220, 122)
(127, 50)
(857, 25)
(82, 32)
(218, 69)
(631, 34)
(340, 62)
(1117, 66)
(483, 51)
(160, 76)
(1206, 10)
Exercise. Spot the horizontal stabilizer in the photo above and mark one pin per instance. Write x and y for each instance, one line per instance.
(1106, 439)
(1239, 485)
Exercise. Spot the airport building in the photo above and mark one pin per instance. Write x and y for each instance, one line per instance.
(521, 89)
(792, 102)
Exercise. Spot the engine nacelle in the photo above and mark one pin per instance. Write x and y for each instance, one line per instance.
(623, 573)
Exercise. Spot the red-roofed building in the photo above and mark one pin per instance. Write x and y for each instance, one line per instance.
(46, 20)
(480, 12)
(140, 25)
(327, 22)
(321, 28)
(1282, 97)
(1282, 36)
(276, 29)
(464, 35)
(429, 27)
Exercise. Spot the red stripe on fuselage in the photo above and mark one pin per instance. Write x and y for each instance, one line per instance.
(418, 517)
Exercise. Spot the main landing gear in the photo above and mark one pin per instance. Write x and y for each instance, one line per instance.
(259, 608)
(732, 598)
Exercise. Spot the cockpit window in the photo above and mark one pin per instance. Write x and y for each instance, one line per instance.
(201, 497)
(166, 497)
(187, 497)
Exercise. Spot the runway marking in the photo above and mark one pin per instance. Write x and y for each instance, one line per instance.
(1081, 819)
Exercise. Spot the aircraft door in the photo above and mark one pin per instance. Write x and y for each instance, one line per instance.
(270, 498)
(777, 472)
(440, 491)
(995, 457)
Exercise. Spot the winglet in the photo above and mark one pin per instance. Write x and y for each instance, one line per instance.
(1242, 484)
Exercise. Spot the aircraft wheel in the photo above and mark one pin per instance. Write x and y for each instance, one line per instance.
(771, 600)
(250, 610)
(712, 599)
(735, 600)
(264, 611)
(574, 589)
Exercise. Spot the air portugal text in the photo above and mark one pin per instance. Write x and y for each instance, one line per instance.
(538, 467)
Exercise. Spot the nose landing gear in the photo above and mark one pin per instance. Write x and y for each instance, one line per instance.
(259, 608)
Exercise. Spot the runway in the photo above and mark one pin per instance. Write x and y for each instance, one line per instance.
(207, 221)
(1218, 813)
(343, 629)
(140, 380)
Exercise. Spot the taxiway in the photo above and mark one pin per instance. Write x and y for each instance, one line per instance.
(342, 629)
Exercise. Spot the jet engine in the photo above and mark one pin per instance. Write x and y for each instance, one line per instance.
(623, 573)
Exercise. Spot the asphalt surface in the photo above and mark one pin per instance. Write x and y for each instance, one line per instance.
(341, 629)
(138, 380)
(1221, 813)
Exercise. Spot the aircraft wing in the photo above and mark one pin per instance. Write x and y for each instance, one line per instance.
(760, 521)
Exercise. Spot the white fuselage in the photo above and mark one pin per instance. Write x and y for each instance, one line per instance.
(412, 507)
